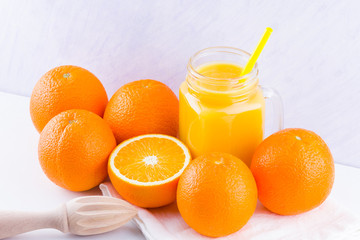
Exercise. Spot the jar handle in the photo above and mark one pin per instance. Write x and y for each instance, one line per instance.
(277, 106)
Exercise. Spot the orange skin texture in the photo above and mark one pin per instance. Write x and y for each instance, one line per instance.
(294, 171)
(145, 196)
(216, 194)
(63, 88)
(74, 148)
(143, 107)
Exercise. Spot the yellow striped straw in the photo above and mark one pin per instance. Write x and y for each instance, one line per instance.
(260, 46)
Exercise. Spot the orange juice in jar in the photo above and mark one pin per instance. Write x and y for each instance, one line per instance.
(221, 111)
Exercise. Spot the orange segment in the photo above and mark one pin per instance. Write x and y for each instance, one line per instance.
(145, 169)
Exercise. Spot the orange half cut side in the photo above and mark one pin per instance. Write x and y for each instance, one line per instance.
(145, 169)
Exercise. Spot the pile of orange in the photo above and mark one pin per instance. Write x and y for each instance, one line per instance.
(292, 171)
(67, 105)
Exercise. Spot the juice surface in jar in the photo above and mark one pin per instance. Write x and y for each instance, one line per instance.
(218, 115)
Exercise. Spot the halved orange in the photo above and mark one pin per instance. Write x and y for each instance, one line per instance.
(145, 170)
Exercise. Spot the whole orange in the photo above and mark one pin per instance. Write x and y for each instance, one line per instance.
(143, 107)
(74, 148)
(63, 88)
(294, 171)
(216, 194)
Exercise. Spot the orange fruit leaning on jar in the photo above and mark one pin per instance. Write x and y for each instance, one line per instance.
(294, 171)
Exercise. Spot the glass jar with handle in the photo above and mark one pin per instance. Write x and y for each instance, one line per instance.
(222, 111)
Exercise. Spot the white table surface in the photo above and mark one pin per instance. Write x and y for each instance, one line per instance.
(24, 186)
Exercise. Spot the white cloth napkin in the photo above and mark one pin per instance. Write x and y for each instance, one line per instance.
(329, 221)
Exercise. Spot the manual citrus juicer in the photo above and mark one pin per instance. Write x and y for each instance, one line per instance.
(81, 216)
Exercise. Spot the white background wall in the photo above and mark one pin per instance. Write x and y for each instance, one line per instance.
(312, 58)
